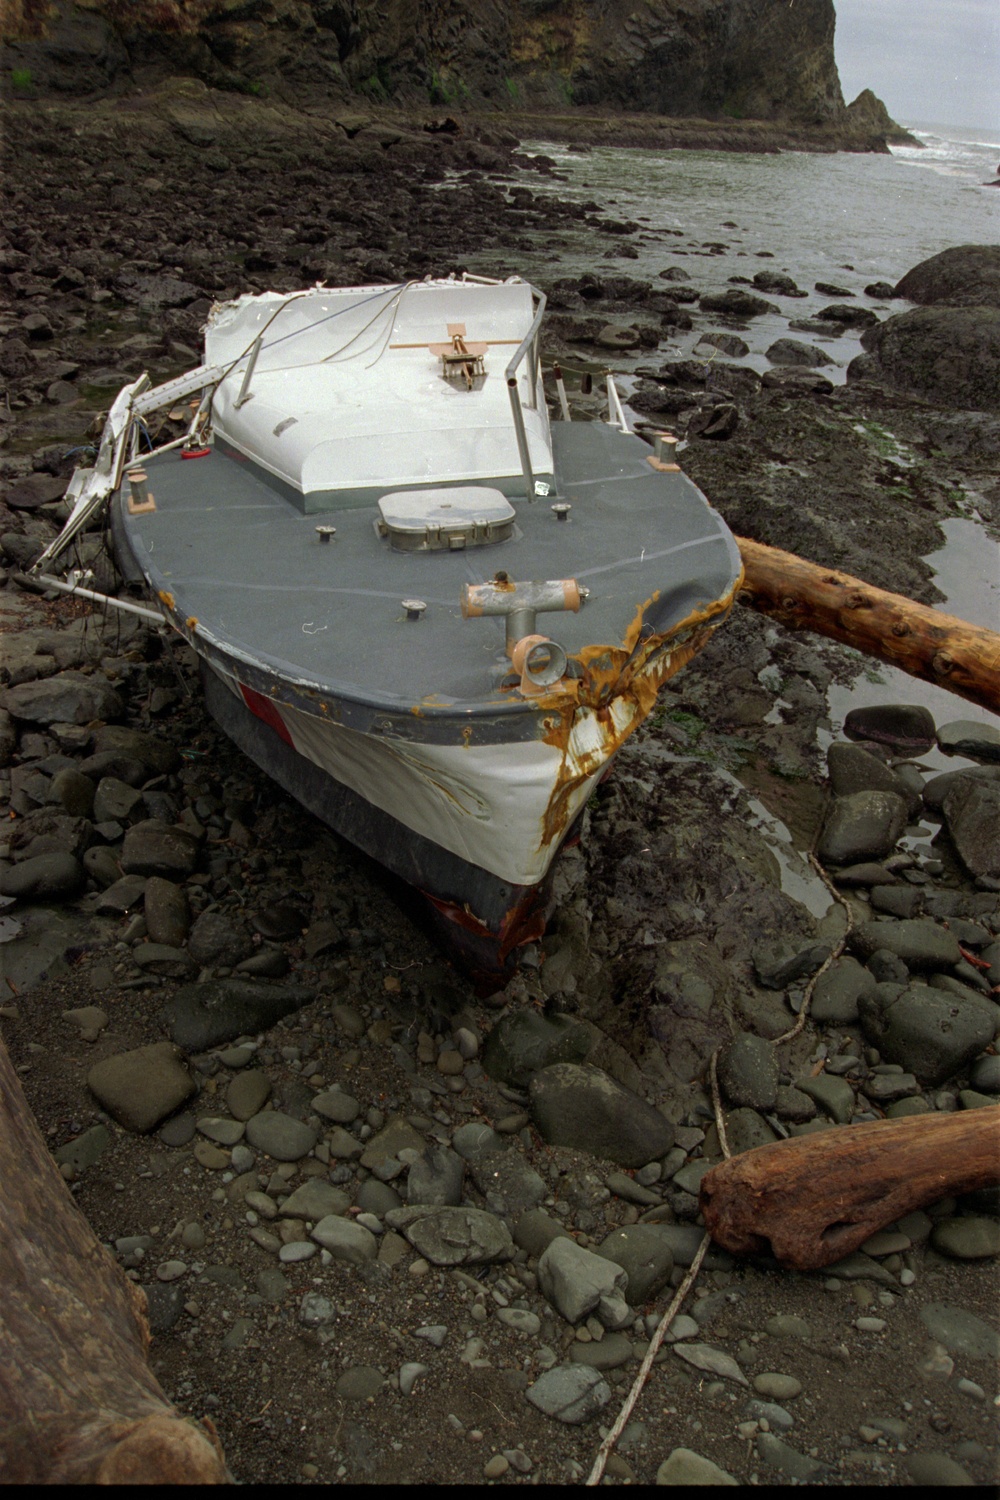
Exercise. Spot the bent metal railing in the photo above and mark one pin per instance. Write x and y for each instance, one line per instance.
(529, 344)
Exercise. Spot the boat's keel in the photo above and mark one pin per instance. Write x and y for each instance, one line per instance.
(481, 920)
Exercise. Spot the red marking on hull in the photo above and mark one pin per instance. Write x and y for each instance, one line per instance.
(267, 712)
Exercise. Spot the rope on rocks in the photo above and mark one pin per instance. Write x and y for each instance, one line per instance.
(597, 1472)
(833, 956)
(640, 1380)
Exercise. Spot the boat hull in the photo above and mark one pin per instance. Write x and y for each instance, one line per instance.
(480, 917)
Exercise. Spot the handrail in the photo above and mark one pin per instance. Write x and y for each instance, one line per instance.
(523, 346)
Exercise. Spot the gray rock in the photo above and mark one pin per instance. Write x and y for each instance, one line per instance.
(967, 1237)
(972, 814)
(579, 1106)
(835, 998)
(929, 1032)
(780, 1387)
(570, 1393)
(904, 728)
(794, 352)
(218, 938)
(852, 769)
(506, 1181)
(158, 958)
(748, 1071)
(685, 1240)
(247, 1093)
(985, 1074)
(960, 1331)
(217, 1128)
(201, 1016)
(73, 792)
(140, 1088)
(534, 1231)
(123, 896)
(746, 1130)
(346, 1241)
(776, 1416)
(970, 738)
(792, 1104)
(864, 825)
(684, 1466)
(520, 1319)
(101, 864)
(478, 1139)
(165, 905)
(85, 1150)
(315, 1200)
(644, 1255)
(8, 738)
(573, 1280)
(377, 1198)
(454, 1236)
(114, 801)
(436, 1177)
(395, 1136)
(833, 1095)
(904, 901)
(155, 751)
(523, 1041)
(711, 1360)
(316, 1311)
(45, 877)
(164, 1306)
(613, 1351)
(726, 343)
(334, 1104)
(280, 1136)
(736, 303)
(787, 1460)
(359, 1383)
(66, 698)
(156, 848)
(933, 1469)
(920, 943)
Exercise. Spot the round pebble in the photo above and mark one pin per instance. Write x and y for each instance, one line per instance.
(779, 1387)
(495, 1467)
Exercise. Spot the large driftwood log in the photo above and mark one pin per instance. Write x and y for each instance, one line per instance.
(78, 1401)
(919, 640)
(815, 1198)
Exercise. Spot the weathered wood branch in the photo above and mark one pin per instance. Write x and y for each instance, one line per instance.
(815, 1198)
(78, 1401)
(919, 640)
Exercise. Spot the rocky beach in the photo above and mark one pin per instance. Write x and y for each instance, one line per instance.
(390, 1231)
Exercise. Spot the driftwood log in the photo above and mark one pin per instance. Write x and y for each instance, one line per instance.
(919, 640)
(78, 1401)
(815, 1198)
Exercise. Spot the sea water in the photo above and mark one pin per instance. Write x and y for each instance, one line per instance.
(841, 218)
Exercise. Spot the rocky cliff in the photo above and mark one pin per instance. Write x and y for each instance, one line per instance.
(714, 59)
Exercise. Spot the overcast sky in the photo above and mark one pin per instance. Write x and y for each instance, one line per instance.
(929, 60)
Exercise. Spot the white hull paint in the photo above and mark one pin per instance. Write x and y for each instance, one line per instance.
(487, 804)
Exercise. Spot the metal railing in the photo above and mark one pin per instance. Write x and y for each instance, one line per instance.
(529, 344)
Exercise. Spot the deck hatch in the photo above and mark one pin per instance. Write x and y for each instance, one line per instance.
(445, 520)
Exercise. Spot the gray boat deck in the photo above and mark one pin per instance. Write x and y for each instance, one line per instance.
(249, 567)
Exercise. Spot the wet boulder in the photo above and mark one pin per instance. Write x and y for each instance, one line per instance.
(972, 815)
(948, 355)
(794, 352)
(579, 1106)
(736, 304)
(864, 825)
(931, 1033)
(961, 276)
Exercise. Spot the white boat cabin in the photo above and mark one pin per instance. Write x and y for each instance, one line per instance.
(344, 395)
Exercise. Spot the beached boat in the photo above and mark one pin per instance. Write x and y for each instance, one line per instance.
(427, 613)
